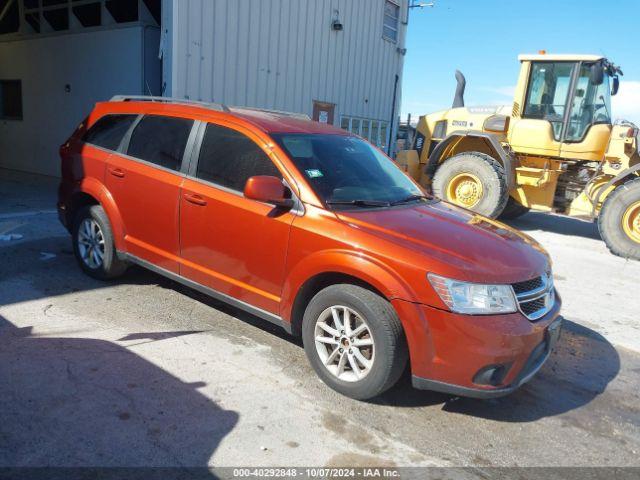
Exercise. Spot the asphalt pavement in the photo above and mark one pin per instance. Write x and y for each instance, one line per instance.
(144, 372)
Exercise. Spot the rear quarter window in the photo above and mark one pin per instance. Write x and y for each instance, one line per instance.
(160, 140)
(109, 130)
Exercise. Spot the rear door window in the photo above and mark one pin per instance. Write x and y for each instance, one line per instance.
(160, 140)
(109, 130)
(228, 158)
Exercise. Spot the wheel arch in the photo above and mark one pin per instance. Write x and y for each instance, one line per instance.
(92, 192)
(78, 200)
(495, 149)
(326, 268)
(314, 285)
(621, 178)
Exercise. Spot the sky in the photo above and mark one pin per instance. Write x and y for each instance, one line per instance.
(482, 38)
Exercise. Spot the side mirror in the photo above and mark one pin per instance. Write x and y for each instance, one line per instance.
(615, 85)
(597, 74)
(268, 189)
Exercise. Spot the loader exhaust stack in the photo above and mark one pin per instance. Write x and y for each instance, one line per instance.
(458, 99)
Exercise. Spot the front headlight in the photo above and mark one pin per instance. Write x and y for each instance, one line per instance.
(473, 298)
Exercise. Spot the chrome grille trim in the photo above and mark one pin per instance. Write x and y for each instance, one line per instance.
(544, 292)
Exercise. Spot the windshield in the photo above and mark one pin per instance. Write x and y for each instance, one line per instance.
(347, 172)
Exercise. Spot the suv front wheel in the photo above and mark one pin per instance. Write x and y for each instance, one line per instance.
(93, 244)
(354, 341)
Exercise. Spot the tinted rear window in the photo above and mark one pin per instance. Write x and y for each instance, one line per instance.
(108, 131)
(160, 140)
(229, 158)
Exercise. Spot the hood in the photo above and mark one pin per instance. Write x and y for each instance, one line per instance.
(455, 242)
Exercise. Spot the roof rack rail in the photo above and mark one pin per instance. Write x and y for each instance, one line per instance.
(221, 107)
(301, 116)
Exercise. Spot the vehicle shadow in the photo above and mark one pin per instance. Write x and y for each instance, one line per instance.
(555, 224)
(139, 275)
(69, 402)
(579, 369)
(61, 275)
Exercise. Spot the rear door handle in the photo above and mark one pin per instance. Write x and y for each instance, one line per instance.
(195, 199)
(116, 172)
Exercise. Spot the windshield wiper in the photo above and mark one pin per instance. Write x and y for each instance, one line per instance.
(359, 203)
(410, 198)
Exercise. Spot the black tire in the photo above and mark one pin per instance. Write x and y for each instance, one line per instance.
(390, 351)
(513, 210)
(110, 266)
(489, 172)
(611, 218)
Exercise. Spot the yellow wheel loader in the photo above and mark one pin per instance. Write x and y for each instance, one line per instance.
(555, 149)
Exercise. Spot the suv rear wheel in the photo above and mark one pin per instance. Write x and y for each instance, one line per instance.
(93, 244)
(354, 341)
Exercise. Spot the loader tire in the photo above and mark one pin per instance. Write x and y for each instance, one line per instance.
(619, 220)
(513, 210)
(473, 180)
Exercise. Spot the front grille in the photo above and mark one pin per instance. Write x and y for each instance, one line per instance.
(529, 308)
(528, 285)
(535, 297)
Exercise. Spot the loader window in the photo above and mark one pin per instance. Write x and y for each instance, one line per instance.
(590, 105)
(547, 93)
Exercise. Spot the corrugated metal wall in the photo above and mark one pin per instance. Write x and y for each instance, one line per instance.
(283, 54)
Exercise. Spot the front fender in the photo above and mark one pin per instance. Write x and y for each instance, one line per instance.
(355, 264)
(97, 190)
(375, 273)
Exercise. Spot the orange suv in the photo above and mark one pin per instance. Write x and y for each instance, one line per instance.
(316, 230)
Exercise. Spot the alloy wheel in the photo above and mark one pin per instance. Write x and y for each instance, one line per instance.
(91, 243)
(344, 343)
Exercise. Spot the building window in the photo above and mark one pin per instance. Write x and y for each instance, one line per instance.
(122, 10)
(390, 21)
(11, 99)
(46, 16)
(57, 19)
(9, 16)
(374, 131)
(89, 14)
(384, 136)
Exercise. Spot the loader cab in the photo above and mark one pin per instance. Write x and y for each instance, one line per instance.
(562, 106)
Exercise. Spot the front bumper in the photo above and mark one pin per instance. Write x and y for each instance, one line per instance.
(449, 352)
(536, 360)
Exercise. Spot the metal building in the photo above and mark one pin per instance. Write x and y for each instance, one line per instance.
(339, 61)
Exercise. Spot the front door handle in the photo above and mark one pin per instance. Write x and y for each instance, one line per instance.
(116, 172)
(195, 199)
